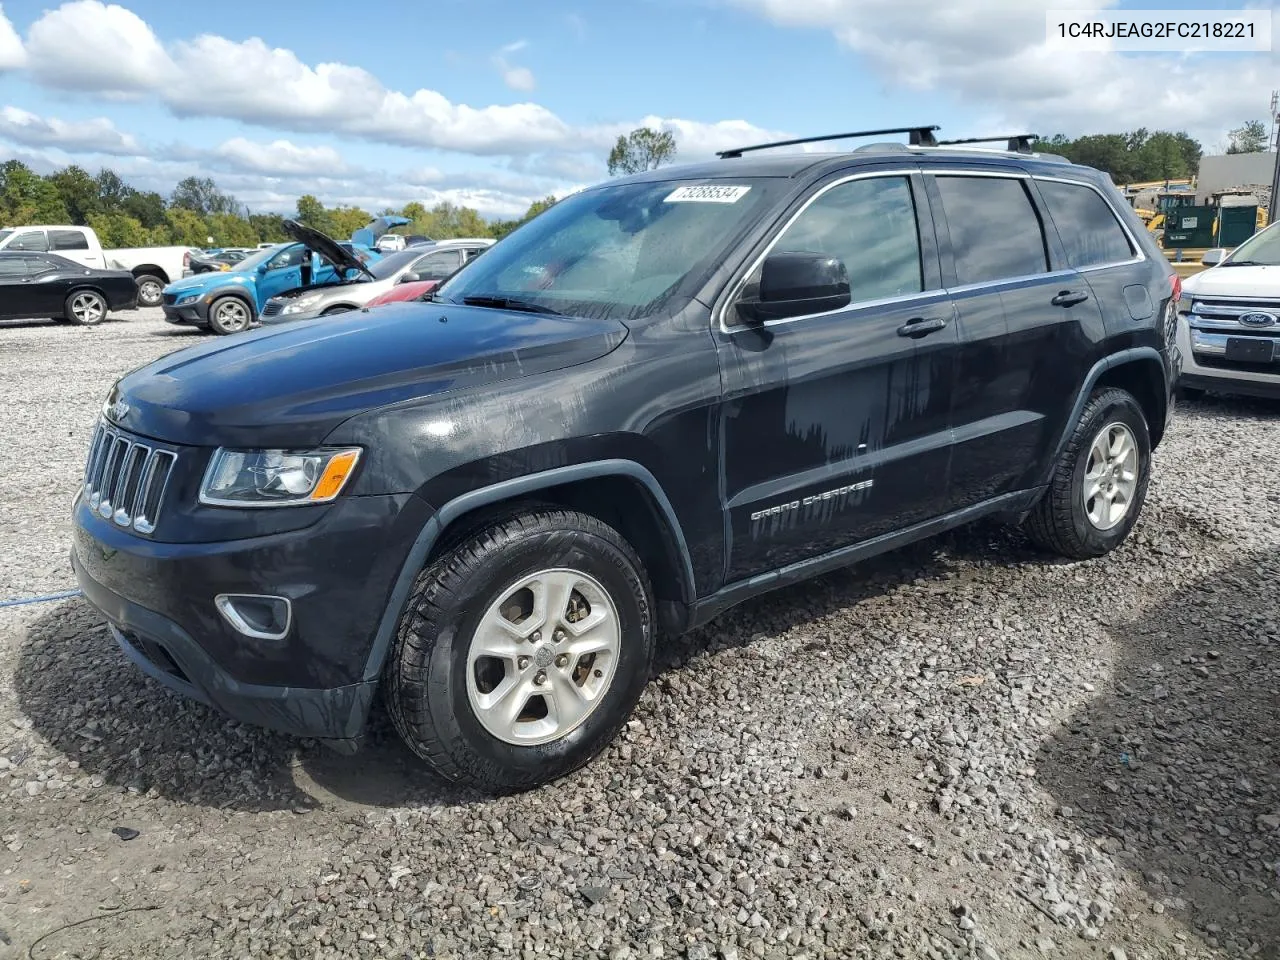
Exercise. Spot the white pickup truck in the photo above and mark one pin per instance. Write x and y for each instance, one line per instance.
(152, 267)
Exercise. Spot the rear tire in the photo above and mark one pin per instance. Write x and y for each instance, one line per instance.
(522, 651)
(150, 290)
(229, 315)
(1100, 482)
(333, 311)
(88, 308)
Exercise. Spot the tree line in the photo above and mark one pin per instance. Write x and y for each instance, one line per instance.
(198, 210)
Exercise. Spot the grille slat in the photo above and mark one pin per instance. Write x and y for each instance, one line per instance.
(271, 308)
(126, 479)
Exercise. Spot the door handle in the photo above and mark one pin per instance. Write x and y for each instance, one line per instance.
(918, 327)
(1069, 298)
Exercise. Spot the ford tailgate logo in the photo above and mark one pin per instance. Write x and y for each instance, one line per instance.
(1258, 319)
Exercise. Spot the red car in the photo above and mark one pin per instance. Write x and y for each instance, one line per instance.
(413, 290)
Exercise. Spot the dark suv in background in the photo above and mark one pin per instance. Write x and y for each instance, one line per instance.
(660, 397)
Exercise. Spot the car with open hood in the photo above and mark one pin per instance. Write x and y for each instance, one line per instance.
(433, 262)
(229, 301)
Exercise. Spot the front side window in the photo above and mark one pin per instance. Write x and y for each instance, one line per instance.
(30, 240)
(436, 266)
(870, 226)
(288, 257)
(1090, 232)
(618, 251)
(995, 230)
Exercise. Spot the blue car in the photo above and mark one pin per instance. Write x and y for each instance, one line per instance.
(228, 301)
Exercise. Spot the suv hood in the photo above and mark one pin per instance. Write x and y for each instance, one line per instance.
(1225, 281)
(289, 386)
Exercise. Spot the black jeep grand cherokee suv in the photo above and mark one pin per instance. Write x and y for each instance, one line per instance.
(664, 395)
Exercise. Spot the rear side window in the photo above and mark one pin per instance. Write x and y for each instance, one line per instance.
(995, 230)
(67, 240)
(437, 266)
(1090, 232)
(13, 267)
(29, 240)
(870, 225)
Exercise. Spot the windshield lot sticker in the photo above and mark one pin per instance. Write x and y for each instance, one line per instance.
(706, 193)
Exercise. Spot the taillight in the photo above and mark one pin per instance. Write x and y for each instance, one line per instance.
(186, 259)
(1177, 287)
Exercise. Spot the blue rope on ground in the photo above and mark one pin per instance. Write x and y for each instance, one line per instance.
(23, 601)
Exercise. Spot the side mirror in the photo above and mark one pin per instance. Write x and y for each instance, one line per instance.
(793, 284)
(1213, 257)
(409, 277)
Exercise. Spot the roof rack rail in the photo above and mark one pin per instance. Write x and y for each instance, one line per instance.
(920, 137)
(1016, 143)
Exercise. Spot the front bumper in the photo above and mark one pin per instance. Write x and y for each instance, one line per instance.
(169, 655)
(317, 680)
(189, 313)
(1204, 366)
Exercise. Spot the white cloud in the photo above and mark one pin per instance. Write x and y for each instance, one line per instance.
(98, 135)
(88, 45)
(97, 48)
(515, 77)
(12, 54)
(993, 54)
(280, 157)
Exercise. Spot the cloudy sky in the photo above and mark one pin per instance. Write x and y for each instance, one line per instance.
(494, 103)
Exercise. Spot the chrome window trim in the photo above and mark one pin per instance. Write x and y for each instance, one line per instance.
(1139, 257)
(735, 288)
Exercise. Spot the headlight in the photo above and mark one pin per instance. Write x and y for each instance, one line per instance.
(267, 478)
(302, 303)
(188, 298)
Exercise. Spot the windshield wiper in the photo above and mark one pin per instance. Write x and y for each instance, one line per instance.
(509, 303)
(1247, 263)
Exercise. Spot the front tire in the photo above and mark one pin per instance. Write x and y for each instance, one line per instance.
(1100, 482)
(88, 308)
(522, 651)
(229, 315)
(150, 290)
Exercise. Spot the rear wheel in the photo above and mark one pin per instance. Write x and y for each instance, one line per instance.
(522, 651)
(229, 315)
(334, 310)
(86, 307)
(150, 290)
(1100, 482)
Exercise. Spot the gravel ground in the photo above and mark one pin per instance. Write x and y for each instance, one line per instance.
(960, 750)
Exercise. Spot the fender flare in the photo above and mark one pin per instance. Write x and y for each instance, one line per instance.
(213, 296)
(1090, 381)
(496, 493)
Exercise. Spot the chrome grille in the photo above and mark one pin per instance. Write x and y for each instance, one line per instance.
(125, 479)
(1214, 313)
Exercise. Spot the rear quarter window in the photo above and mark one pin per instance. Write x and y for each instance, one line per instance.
(1090, 233)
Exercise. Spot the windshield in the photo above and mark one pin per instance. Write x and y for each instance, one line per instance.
(5, 234)
(617, 251)
(1262, 248)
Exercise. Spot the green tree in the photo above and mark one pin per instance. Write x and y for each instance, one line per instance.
(186, 227)
(113, 192)
(147, 208)
(346, 221)
(26, 198)
(268, 227)
(1137, 156)
(230, 230)
(311, 213)
(413, 211)
(119, 230)
(202, 196)
(78, 192)
(1250, 138)
(500, 228)
(642, 149)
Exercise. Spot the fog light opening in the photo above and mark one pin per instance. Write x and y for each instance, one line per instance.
(256, 615)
